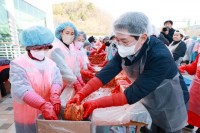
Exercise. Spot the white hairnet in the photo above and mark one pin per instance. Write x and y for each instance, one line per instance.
(180, 31)
(132, 23)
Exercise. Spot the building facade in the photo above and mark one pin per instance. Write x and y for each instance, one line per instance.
(16, 15)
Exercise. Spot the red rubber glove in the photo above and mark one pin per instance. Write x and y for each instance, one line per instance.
(87, 73)
(198, 72)
(103, 47)
(77, 86)
(91, 64)
(116, 99)
(103, 64)
(102, 54)
(81, 81)
(36, 101)
(192, 68)
(55, 97)
(182, 68)
(92, 85)
(116, 89)
(90, 67)
(92, 52)
(48, 111)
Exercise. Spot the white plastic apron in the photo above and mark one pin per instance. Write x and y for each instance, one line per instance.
(172, 48)
(166, 103)
(24, 115)
(71, 58)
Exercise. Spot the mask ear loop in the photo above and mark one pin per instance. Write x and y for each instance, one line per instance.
(31, 56)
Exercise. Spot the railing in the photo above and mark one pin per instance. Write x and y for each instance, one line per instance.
(9, 51)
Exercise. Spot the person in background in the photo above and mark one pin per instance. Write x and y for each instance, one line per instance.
(92, 40)
(190, 42)
(87, 46)
(156, 81)
(195, 50)
(162, 36)
(65, 57)
(36, 82)
(105, 44)
(86, 68)
(79, 42)
(194, 102)
(112, 48)
(99, 42)
(169, 24)
(4, 75)
(93, 48)
(78, 46)
(178, 47)
(103, 50)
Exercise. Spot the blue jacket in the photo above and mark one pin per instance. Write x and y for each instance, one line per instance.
(159, 66)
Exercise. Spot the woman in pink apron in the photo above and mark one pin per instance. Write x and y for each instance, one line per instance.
(36, 81)
(86, 68)
(66, 58)
(194, 102)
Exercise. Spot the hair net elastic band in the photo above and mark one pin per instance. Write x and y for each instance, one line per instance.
(126, 33)
(37, 47)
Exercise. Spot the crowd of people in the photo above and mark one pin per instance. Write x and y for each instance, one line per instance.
(154, 64)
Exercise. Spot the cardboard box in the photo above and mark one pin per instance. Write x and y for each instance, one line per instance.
(62, 126)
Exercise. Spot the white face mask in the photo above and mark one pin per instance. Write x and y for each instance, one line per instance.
(67, 39)
(125, 51)
(79, 45)
(39, 54)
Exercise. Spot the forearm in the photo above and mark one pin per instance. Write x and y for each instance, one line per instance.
(19, 82)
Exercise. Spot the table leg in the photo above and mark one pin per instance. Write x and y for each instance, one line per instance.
(127, 129)
(138, 129)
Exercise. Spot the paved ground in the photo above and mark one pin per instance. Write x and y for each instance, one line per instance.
(6, 115)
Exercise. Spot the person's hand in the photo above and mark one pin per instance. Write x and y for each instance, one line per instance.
(55, 100)
(87, 73)
(76, 99)
(77, 86)
(92, 52)
(57, 108)
(91, 86)
(116, 99)
(48, 111)
(88, 108)
(182, 68)
(90, 68)
(116, 89)
(81, 81)
(102, 54)
(55, 97)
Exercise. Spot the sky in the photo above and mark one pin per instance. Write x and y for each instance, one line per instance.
(157, 10)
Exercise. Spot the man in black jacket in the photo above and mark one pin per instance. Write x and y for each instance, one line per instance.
(169, 24)
(156, 81)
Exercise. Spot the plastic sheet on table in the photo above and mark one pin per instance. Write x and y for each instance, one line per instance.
(98, 94)
(97, 68)
(121, 115)
(66, 95)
